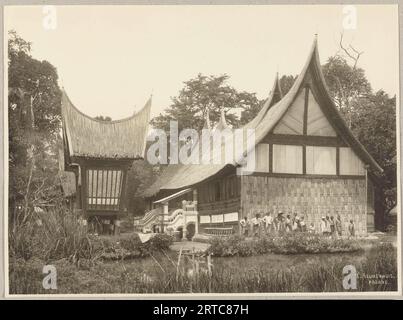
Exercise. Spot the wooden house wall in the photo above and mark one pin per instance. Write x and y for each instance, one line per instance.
(311, 197)
(371, 207)
(222, 211)
(311, 170)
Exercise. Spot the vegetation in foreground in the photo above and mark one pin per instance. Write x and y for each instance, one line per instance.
(88, 264)
(292, 243)
(164, 275)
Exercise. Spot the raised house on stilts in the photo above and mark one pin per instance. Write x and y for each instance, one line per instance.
(100, 153)
(307, 161)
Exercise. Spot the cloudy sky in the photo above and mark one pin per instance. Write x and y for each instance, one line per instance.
(110, 59)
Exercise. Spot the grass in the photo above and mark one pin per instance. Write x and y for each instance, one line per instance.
(236, 274)
(98, 265)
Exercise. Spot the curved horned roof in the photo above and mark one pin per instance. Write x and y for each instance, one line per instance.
(271, 113)
(87, 137)
(178, 172)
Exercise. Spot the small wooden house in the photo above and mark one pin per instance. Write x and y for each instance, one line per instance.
(99, 153)
(307, 162)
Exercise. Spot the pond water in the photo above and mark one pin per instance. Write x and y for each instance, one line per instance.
(285, 261)
(242, 264)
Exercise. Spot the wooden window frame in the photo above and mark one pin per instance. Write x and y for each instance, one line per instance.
(305, 140)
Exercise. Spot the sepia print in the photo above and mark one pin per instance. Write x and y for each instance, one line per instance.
(202, 150)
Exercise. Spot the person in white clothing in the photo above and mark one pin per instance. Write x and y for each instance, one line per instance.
(268, 223)
(323, 226)
(244, 226)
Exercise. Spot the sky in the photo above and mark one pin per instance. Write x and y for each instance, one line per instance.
(110, 59)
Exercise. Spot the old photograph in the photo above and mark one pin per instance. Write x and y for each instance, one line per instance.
(201, 150)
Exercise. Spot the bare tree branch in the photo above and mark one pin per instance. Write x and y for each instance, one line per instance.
(355, 56)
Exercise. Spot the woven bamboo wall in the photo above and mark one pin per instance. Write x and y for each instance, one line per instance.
(311, 197)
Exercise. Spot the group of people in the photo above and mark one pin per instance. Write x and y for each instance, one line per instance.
(267, 224)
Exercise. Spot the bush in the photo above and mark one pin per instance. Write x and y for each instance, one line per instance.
(59, 235)
(292, 243)
(127, 247)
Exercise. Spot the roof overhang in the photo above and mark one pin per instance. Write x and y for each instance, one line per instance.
(173, 196)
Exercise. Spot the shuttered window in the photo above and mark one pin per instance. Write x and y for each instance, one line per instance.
(104, 189)
(287, 159)
(262, 157)
(321, 160)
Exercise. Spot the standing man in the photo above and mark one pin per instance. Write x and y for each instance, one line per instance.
(338, 226)
(269, 223)
(244, 226)
(117, 227)
(351, 229)
(255, 225)
(323, 226)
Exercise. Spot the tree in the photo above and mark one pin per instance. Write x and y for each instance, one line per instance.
(346, 84)
(286, 83)
(202, 94)
(374, 124)
(140, 176)
(371, 116)
(34, 115)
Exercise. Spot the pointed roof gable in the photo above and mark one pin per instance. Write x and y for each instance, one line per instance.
(177, 174)
(91, 138)
(207, 123)
(222, 123)
(312, 71)
(275, 95)
(268, 117)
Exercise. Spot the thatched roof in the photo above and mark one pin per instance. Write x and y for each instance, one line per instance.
(181, 176)
(167, 174)
(270, 115)
(180, 172)
(91, 138)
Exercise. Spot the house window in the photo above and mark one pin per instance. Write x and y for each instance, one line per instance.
(262, 157)
(320, 160)
(287, 159)
(350, 164)
(104, 189)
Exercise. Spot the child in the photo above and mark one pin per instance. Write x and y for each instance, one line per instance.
(311, 228)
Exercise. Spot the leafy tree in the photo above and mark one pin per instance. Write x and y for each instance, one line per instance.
(286, 83)
(202, 94)
(34, 125)
(346, 84)
(140, 176)
(374, 124)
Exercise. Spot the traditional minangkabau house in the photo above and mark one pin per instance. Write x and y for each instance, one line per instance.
(99, 153)
(307, 162)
